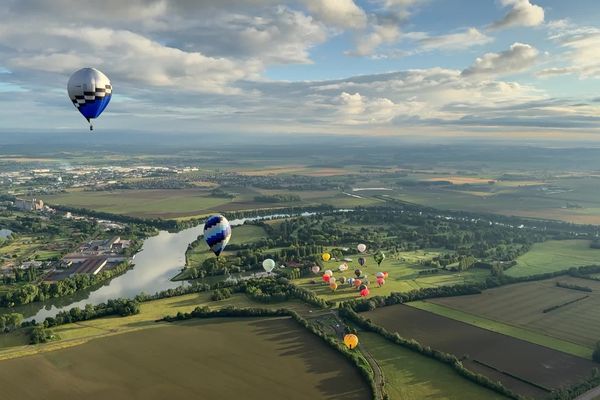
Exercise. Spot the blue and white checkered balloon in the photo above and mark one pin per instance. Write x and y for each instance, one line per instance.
(217, 233)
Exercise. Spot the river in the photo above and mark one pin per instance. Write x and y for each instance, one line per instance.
(160, 258)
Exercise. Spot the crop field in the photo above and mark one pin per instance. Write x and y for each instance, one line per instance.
(412, 376)
(403, 271)
(522, 305)
(252, 358)
(526, 368)
(14, 344)
(555, 255)
(142, 203)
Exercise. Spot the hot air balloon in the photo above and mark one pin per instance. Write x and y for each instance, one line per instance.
(379, 257)
(268, 264)
(357, 283)
(328, 272)
(380, 275)
(350, 281)
(333, 286)
(217, 233)
(343, 267)
(385, 275)
(364, 292)
(90, 91)
(332, 279)
(343, 280)
(315, 269)
(357, 272)
(380, 281)
(351, 341)
(326, 278)
(326, 256)
(361, 261)
(362, 287)
(361, 248)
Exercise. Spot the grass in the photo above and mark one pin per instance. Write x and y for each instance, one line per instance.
(251, 358)
(555, 255)
(505, 329)
(14, 344)
(411, 376)
(403, 270)
(143, 203)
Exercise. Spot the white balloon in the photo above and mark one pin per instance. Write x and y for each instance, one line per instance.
(268, 265)
(328, 272)
(361, 247)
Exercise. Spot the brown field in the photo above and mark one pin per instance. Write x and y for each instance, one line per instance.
(487, 352)
(251, 359)
(297, 170)
(522, 305)
(460, 180)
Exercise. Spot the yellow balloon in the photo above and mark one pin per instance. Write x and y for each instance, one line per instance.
(333, 286)
(351, 341)
(325, 256)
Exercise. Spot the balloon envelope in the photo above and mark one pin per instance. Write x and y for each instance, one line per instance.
(325, 256)
(332, 279)
(357, 272)
(328, 272)
(351, 341)
(217, 233)
(268, 264)
(333, 286)
(343, 267)
(350, 281)
(326, 278)
(357, 282)
(361, 247)
(315, 269)
(364, 292)
(380, 281)
(362, 287)
(90, 91)
(343, 280)
(385, 275)
(361, 261)
(380, 275)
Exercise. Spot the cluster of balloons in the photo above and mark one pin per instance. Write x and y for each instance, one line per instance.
(381, 277)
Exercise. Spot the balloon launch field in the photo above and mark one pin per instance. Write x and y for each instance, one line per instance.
(252, 358)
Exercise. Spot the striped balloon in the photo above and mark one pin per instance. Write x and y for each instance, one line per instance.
(217, 233)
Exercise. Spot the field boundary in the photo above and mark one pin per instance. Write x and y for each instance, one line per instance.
(504, 329)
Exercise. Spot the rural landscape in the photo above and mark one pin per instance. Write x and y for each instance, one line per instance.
(300, 199)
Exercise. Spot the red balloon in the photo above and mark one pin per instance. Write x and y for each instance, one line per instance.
(364, 292)
(380, 281)
(326, 278)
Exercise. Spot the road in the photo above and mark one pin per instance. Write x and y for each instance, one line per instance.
(590, 394)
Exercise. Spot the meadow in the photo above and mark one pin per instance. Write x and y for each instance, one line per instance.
(523, 367)
(555, 255)
(576, 325)
(403, 275)
(412, 376)
(252, 358)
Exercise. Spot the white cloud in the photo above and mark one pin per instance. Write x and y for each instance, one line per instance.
(582, 46)
(453, 41)
(518, 57)
(340, 13)
(522, 13)
(381, 34)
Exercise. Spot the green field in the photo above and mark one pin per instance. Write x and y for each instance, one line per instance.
(142, 203)
(576, 326)
(403, 269)
(412, 376)
(187, 203)
(555, 255)
(504, 328)
(15, 344)
(250, 358)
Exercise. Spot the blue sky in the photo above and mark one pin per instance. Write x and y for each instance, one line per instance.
(522, 68)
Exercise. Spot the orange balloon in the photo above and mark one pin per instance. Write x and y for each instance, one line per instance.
(357, 282)
(351, 341)
(333, 286)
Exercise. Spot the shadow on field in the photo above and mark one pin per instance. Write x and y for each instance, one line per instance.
(337, 382)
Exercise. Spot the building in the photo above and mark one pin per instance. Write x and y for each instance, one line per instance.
(92, 265)
(29, 205)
